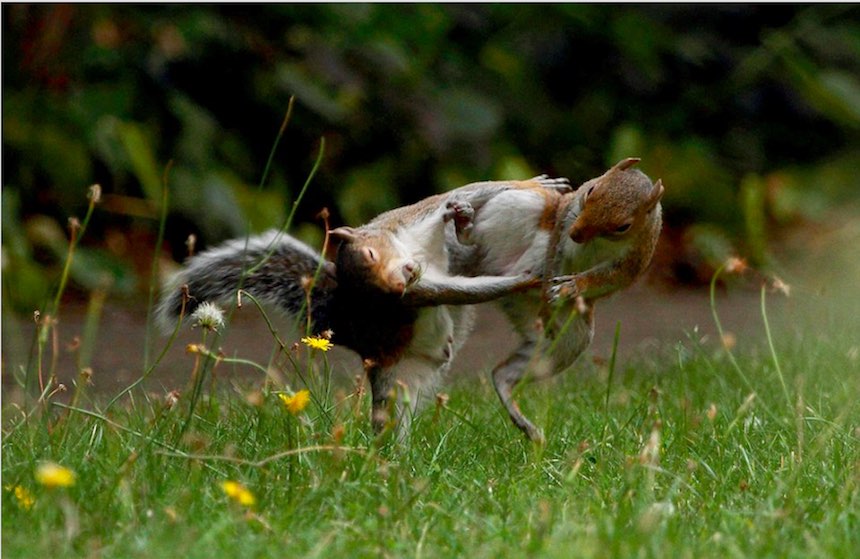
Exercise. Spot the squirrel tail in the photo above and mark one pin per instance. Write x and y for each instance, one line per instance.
(282, 280)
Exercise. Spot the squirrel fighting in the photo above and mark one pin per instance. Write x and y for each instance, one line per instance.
(387, 294)
(602, 236)
(396, 289)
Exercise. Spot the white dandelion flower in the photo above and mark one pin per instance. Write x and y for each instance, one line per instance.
(208, 315)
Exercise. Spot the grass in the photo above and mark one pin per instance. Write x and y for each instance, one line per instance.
(693, 453)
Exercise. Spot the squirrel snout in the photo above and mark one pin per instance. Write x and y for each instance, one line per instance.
(411, 272)
(403, 276)
(580, 235)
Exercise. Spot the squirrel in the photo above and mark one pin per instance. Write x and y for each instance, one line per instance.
(586, 244)
(386, 293)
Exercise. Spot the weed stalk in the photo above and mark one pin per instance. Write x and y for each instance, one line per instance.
(153, 278)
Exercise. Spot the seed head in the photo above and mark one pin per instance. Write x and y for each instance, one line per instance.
(95, 193)
(735, 265)
(171, 399)
(781, 286)
(208, 315)
(190, 243)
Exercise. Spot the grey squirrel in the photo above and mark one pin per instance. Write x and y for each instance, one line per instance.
(387, 294)
(602, 236)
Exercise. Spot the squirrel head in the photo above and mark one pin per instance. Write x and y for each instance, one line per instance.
(370, 258)
(616, 205)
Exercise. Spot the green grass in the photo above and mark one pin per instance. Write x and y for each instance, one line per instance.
(674, 458)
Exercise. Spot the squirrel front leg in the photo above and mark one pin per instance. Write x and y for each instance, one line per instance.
(590, 284)
(603, 279)
(461, 290)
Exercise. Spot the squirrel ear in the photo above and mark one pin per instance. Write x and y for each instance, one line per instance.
(625, 164)
(343, 234)
(656, 194)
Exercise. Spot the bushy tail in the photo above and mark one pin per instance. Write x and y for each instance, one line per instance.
(217, 274)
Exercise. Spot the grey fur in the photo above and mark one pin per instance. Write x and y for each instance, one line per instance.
(216, 275)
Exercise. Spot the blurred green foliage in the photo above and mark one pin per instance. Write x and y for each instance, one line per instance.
(749, 113)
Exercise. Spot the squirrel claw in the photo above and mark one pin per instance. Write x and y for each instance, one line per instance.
(560, 184)
(561, 291)
(560, 280)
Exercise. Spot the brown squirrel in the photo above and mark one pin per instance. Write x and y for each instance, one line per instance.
(387, 293)
(602, 236)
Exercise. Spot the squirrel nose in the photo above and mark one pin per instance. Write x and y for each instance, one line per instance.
(580, 235)
(411, 270)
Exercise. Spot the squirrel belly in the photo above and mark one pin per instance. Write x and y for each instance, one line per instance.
(522, 213)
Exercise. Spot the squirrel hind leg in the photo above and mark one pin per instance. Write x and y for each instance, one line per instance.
(506, 376)
(381, 392)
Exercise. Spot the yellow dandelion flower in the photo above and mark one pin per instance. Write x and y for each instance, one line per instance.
(238, 493)
(297, 402)
(25, 498)
(317, 342)
(50, 474)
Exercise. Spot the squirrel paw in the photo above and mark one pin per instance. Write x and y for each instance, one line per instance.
(558, 280)
(563, 288)
(561, 184)
(463, 215)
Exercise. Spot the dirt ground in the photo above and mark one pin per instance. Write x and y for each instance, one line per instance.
(654, 320)
(651, 319)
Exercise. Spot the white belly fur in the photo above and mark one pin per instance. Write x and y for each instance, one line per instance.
(506, 228)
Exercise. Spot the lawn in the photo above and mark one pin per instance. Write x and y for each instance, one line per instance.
(693, 450)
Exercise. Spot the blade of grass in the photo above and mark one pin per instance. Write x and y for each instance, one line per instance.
(77, 231)
(773, 349)
(288, 222)
(269, 459)
(719, 326)
(155, 364)
(128, 430)
(153, 277)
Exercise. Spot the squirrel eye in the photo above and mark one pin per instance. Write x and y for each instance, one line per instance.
(370, 254)
(622, 228)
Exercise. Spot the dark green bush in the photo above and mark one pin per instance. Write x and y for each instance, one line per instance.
(750, 114)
